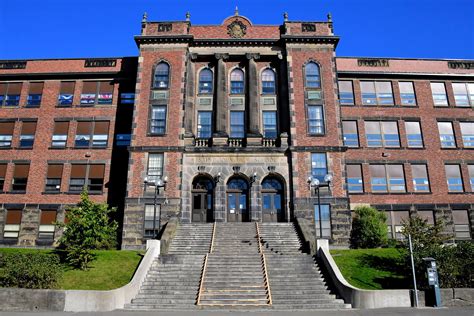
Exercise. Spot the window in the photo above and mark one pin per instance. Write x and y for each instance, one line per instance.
(3, 172)
(346, 93)
(6, 134)
(123, 139)
(315, 120)
(237, 82)
(270, 124)
(470, 169)
(66, 93)
(11, 229)
(83, 134)
(376, 92)
(77, 179)
(382, 134)
(387, 178)
(461, 224)
(323, 223)
(127, 98)
(59, 139)
(453, 178)
(237, 124)
(428, 216)
(467, 132)
(27, 137)
(407, 93)
(438, 91)
(155, 168)
(100, 136)
(421, 182)
(463, 94)
(413, 132)
(151, 220)
(86, 131)
(158, 120)
(268, 82)
(20, 177)
(161, 76)
(399, 217)
(205, 81)
(35, 94)
(350, 135)
(46, 227)
(319, 168)
(204, 126)
(446, 135)
(53, 178)
(97, 92)
(313, 79)
(355, 183)
(94, 179)
(10, 94)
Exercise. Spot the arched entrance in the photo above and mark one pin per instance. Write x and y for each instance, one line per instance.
(272, 200)
(237, 200)
(203, 200)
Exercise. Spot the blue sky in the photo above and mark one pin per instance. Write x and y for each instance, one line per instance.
(95, 28)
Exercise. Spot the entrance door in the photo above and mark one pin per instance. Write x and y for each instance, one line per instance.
(202, 202)
(272, 197)
(237, 201)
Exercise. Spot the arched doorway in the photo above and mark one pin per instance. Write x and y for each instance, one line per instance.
(237, 200)
(203, 200)
(272, 200)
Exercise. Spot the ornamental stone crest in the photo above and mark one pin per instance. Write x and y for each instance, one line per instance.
(236, 29)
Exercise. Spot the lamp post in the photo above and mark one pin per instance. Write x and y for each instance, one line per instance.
(315, 183)
(160, 183)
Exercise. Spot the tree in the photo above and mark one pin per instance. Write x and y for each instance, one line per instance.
(88, 227)
(368, 228)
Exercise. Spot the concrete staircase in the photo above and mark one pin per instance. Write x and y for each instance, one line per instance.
(295, 279)
(234, 274)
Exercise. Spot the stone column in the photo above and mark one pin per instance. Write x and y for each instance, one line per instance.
(220, 135)
(189, 108)
(253, 136)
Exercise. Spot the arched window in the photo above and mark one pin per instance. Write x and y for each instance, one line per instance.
(268, 81)
(205, 81)
(162, 76)
(237, 81)
(237, 184)
(313, 79)
(272, 184)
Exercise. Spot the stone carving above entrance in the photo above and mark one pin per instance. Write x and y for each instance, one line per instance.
(237, 29)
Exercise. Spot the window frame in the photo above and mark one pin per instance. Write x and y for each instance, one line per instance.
(326, 231)
(201, 82)
(151, 174)
(360, 181)
(272, 85)
(442, 137)
(467, 139)
(232, 83)
(457, 184)
(346, 98)
(154, 85)
(403, 100)
(410, 142)
(351, 141)
(232, 127)
(264, 129)
(98, 100)
(199, 124)
(309, 120)
(308, 83)
(314, 170)
(426, 181)
(436, 96)
(469, 95)
(377, 95)
(152, 120)
(387, 179)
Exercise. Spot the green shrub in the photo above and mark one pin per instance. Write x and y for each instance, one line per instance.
(368, 228)
(30, 270)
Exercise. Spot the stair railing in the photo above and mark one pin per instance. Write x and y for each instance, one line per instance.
(212, 238)
(201, 284)
(264, 265)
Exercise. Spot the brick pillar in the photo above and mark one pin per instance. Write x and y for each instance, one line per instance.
(253, 109)
(221, 97)
(189, 109)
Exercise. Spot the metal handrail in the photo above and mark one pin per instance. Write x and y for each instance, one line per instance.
(202, 281)
(264, 264)
(212, 238)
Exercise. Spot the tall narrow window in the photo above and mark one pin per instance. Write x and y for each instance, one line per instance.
(454, 178)
(35, 94)
(346, 93)
(151, 215)
(319, 168)
(95, 181)
(237, 85)
(413, 132)
(461, 224)
(355, 183)
(399, 217)
(396, 178)
(53, 178)
(350, 134)
(66, 93)
(83, 134)
(3, 172)
(237, 124)
(376, 92)
(205, 81)
(158, 120)
(10, 94)
(60, 132)
(438, 91)
(6, 134)
(407, 93)
(467, 132)
(270, 124)
(89, 92)
(161, 76)
(27, 137)
(155, 167)
(378, 179)
(101, 134)
(204, 126)
(322, 223)
(47, 227)
(373, 133)
(20, 177)
(268, 82)
(421, 182)
(315, 120)
(446, 135)
(313, 78)
(11, 230)
(461, 95)
(77, 180)
(470, 169)
(106, 92)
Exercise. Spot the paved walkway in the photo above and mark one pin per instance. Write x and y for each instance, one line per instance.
(454, 311)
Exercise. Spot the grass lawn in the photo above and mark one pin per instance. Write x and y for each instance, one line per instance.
(110, 269)
(373, 269)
